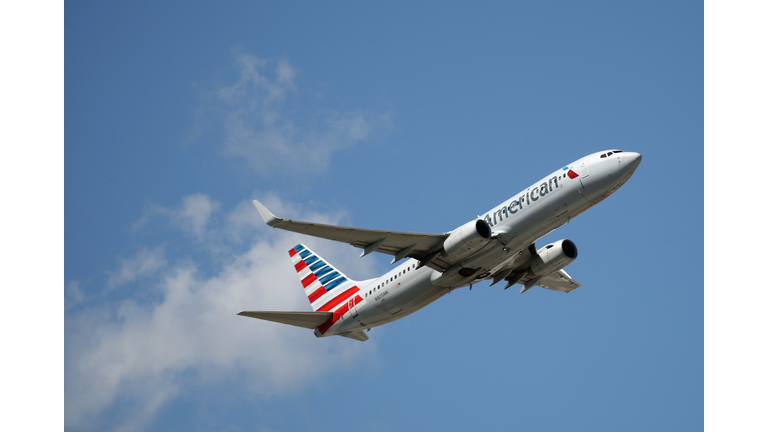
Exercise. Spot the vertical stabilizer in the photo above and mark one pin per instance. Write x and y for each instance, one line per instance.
(326, 287)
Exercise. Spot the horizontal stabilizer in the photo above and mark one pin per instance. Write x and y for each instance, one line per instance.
(310, 320)
(357, 335)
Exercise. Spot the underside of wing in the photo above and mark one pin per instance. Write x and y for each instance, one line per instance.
(310, 320)
(423, 247)
(558, 281)
(516, 271)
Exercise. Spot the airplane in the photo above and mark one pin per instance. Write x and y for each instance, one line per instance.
(499, 246)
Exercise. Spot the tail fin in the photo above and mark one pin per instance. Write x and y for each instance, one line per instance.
(327, 288)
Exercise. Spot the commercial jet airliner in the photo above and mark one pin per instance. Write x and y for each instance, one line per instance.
(499, 246)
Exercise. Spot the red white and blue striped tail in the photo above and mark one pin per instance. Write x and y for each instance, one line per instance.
(326, 287)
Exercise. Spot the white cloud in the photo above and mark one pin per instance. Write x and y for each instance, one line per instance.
(260, 126)
(196, 212)
(146, 262)
(73, 294)
(133, 356)
(130, 358)
(193, 216)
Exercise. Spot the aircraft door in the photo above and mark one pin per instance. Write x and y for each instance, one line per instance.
(352, 306)
(584, 169)
(583, 173)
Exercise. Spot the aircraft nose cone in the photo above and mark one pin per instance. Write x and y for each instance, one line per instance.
(631, 160)
(628, 162)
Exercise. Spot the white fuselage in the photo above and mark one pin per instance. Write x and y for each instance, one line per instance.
(516, 223)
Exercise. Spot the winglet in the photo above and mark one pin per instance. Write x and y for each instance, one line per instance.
(268, 217)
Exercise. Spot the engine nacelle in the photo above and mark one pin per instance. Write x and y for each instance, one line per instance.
(467, 238)
(553, 257)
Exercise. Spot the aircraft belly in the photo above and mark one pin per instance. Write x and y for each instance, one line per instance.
(424, 298)
(416, 293)
(404, 296)
(367, 318)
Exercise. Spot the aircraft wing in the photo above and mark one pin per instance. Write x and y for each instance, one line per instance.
(515, 272)
(558, 281)
(423, 247)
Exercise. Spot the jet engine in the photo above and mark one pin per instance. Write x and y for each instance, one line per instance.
(553, 257)
(467, 238)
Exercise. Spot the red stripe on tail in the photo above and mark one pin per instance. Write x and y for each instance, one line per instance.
(337, 315)
(308, 280)
(338, 299)
(317, 294)
(300, 266)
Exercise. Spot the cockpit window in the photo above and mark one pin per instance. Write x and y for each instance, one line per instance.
(610, 153)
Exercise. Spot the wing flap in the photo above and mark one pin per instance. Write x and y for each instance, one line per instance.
(558, 281)
(515, 272)
(310, 320)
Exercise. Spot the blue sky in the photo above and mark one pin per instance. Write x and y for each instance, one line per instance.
(398, 116)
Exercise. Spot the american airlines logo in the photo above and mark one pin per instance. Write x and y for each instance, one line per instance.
(532, 195)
